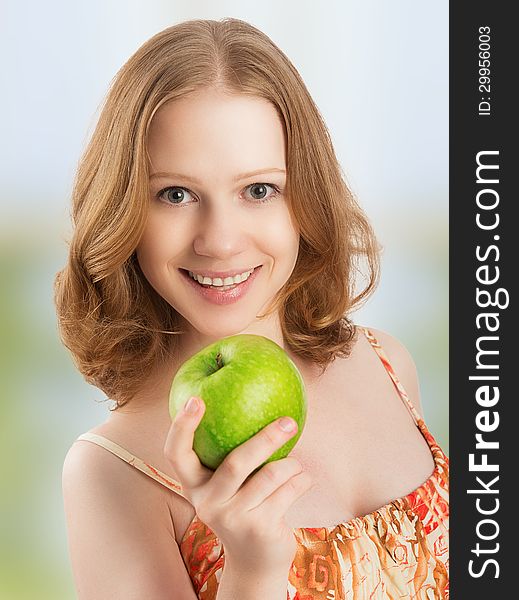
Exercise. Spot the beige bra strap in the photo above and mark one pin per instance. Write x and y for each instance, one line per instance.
(136, 462)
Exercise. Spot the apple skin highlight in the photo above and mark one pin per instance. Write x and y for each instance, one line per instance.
(246, 381)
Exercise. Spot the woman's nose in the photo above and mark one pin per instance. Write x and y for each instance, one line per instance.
(220, 233)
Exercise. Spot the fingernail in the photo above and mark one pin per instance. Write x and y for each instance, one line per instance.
(287, 424)
(191, 405)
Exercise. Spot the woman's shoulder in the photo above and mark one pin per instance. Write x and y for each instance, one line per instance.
(398, 356)
(109, 504)
(87, 459)
(392, 346)
(105, 454)
(91, 471)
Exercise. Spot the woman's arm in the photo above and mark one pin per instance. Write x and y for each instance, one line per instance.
(237, 583)
(118, 547)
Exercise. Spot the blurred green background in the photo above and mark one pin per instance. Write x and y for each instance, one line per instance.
(378, 72)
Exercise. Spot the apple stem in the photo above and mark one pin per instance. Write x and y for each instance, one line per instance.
(219, 361)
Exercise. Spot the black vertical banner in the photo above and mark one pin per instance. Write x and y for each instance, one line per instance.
(484, 266)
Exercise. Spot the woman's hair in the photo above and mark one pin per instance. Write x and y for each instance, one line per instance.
(115, 324)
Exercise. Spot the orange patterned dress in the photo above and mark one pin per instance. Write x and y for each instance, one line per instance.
(400, 550)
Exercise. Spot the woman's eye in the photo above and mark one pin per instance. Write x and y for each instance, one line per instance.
(174, 195)
(259, 191)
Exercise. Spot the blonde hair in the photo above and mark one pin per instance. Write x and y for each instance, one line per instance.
(110, 318)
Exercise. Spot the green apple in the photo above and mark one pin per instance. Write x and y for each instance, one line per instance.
(246, 381)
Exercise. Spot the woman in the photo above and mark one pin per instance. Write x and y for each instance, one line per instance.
(210, 161)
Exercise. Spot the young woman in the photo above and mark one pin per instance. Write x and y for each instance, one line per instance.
(210, 161)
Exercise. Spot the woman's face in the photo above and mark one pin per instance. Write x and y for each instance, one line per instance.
(217, 204)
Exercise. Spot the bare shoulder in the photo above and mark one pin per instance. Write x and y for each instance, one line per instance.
(115, 519)
(87, 464)
(401, 360)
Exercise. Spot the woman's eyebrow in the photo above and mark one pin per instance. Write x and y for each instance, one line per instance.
(238, 177)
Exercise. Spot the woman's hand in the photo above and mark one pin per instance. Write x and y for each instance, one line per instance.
(247, 515)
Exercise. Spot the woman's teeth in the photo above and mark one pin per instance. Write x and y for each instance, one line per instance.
(218, 283)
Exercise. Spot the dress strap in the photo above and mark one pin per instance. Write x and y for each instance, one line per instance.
(387, 365)
(136, 462)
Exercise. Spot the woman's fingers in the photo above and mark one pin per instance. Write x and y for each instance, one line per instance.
(240, 463)
(282, 499)
(267, 480)
(178, 448)
(237, 466)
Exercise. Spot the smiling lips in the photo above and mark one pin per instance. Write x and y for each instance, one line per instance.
(218, 292)
(218, 282)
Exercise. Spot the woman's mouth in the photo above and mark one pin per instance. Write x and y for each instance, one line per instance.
(219, 283)
(220, 291)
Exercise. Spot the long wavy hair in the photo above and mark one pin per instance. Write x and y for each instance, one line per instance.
(110, 318)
